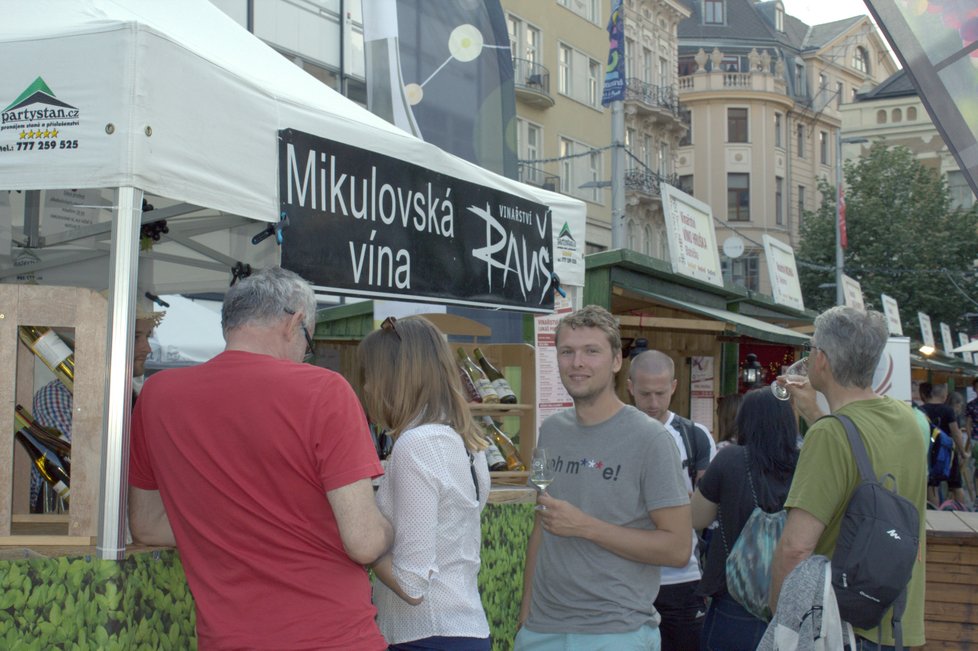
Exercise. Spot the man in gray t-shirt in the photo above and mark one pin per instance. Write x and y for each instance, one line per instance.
(616, 510)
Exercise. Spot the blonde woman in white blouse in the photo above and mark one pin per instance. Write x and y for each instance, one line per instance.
(433, 492)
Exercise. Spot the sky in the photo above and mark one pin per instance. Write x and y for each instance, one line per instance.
(816, 12)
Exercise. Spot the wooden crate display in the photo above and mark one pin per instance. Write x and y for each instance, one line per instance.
(951, 602)
(84, 311)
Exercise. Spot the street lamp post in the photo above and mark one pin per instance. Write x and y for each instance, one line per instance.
(840, 297)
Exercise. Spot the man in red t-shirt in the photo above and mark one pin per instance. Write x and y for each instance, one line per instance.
(258, 468)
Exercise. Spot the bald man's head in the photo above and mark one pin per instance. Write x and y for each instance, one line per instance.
(652, 381)
(653, 362)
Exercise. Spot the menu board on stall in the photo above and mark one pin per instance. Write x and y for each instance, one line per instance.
(892, 312)
(691, 236)
(964, 341)
(926, 331)
(551, 394)
(946, 339)
(785, 286)
(852, 292)
(701, 394)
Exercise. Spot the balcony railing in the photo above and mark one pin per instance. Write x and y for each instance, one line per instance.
(532, 75)
(663, 97)
(647, 181)
(539, 178)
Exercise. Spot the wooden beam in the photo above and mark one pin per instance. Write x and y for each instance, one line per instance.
(666, 323)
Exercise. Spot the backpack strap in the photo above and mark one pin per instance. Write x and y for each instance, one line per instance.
(858, 449)
(685, 427)
(866, 471)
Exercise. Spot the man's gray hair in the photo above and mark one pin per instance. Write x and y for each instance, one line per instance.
(853, 340)
(266, 297)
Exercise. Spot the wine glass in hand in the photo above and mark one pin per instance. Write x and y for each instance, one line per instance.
(541, 472)
(796, 374)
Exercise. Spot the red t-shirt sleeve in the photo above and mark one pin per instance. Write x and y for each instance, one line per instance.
(343, 449)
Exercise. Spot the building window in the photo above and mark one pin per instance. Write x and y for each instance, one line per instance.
(579, 76)
(686, 116)
(630, 236)
(648, 65)
(687, 65)
(911, 114)
(664, 159)
(713, 12)
(881, 116)
(741, 271)
(779, 17)
(565, 56)
(801, 140)
(738, 197)
(647, 151)
(629, 143)
(595, 169)
(567, 166)
(586, 9)
(594, 77)
(631, 53)
(778, 200)
(778, 142)
(839, 92)
(647, 240)
(897, 115)
(737, 125)
(800, 80)
(823, 148)
(801, 203)
(686, 183)
(664, 76)
(823, 81)
(860, 60)
(524, 40)
(529, 139)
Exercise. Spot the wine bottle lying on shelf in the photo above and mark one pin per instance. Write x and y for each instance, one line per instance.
(504, 443)
(482, 384)
(52, 350)
(50, 466)
(48, 436)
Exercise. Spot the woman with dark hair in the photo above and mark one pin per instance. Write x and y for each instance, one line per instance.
(755, 472)
(726, 429)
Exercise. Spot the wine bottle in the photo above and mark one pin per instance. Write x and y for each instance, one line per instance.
(48, 464)
(479, 379)
(50, 349)
(47, 436)
(499, 383)
(504, 443)
(494, 457)
(471, 393)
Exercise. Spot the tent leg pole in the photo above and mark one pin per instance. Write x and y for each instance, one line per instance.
(123, 265)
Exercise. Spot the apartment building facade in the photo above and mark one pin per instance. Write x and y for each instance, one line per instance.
(762, 94)
(563, 133)
(894, 112)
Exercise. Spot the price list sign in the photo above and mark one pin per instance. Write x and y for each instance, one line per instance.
(551, 394)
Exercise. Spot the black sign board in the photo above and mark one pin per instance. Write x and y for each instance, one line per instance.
(365, 224)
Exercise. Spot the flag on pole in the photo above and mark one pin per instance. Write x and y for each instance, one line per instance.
(843, 238)
(614, 74)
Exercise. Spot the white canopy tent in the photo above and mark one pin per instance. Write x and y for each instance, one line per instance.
(175, 102)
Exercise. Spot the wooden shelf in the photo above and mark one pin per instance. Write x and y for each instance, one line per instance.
(482, 409)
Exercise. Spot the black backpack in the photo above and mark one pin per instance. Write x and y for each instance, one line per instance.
(687, 432)
(876, 549)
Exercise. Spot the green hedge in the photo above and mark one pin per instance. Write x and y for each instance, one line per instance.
(143, 603)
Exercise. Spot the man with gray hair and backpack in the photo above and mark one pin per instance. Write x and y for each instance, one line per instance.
(824, 515)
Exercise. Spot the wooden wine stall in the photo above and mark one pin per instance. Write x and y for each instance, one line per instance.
(83, 312)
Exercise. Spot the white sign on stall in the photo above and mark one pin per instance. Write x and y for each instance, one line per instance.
(852, 292)
(551, 394)
(701, 392)
(926, 331)
(946, 339)
(964, 341)
(691, 236)
(892, 375)
(892, 312)
(783, 272)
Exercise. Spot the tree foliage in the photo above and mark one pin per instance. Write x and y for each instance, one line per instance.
(906, 240)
